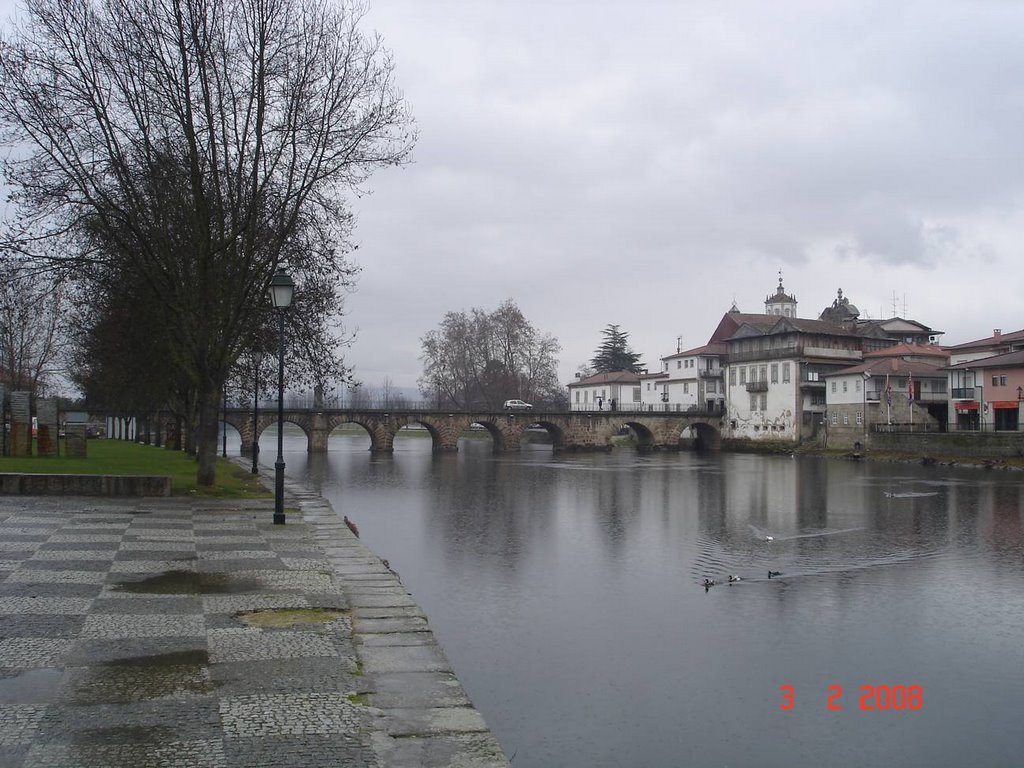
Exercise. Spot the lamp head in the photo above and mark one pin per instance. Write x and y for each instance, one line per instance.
(282, 288)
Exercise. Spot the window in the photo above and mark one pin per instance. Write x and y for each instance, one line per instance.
(764, 402)
(1002, 381)
(648, 386)
(753, 402)
(833, 387)
(586, 393)
(846, 419)
(679, 364)
(732, 376)
(636, 394)
(845, 385)
(686, 387)
(860, 418)
(835, 419)
(995, 381)
(775, 373)
(856, 384)
(577, 395)
(743, 375)
(763, 370)
(785, 373)
(712, 387)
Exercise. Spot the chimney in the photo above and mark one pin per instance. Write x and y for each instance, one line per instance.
(997, 332)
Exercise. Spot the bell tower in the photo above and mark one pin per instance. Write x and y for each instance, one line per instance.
(781, 303)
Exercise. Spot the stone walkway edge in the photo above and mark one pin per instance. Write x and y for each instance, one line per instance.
(429, 720)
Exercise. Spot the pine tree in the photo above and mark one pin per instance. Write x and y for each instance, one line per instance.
(614, 353)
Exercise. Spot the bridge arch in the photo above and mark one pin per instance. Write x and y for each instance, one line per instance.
(437, 436)
(497, 436)
(369, 425)
(707, 437)
(556, 431)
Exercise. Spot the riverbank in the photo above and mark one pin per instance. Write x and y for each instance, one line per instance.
(925, 457)
(194, 632)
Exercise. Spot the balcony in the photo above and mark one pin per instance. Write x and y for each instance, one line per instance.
(878, 395)
(710, 373)
(757, 386)
(963, 394)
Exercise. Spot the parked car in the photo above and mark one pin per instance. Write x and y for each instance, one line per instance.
(517, 405)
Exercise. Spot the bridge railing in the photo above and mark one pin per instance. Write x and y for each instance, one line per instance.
(643, 408)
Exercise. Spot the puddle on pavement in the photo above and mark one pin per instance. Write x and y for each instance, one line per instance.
(188, 583)
(141, 678)
(31, 687)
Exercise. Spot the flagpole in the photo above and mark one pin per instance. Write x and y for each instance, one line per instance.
(910, 399)
(888, 400)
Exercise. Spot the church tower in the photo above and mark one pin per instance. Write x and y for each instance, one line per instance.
(781, 303)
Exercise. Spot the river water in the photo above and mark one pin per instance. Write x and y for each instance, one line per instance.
(566, 591)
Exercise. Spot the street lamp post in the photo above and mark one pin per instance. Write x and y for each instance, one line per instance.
(257, 362)
(281, 290)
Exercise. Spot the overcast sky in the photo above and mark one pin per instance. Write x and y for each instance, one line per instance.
(647, 163)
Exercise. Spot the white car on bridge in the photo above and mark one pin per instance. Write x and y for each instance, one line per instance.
(517, 405)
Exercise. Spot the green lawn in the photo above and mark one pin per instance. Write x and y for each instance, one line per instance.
(119, 457)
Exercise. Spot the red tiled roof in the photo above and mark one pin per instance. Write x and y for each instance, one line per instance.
(1007, 360)
(899, 350)
(713, 348)
(615, 377)
(894, 366)
(990, 341)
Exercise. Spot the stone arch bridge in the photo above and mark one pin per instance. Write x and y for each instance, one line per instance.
(569, 430)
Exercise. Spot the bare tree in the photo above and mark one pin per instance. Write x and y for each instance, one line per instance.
(480, 359)
(188, 144)
(31, 342)
(390, 396)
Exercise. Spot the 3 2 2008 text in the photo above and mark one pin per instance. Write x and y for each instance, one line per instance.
(872, 697)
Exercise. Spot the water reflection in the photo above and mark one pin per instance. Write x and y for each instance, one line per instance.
(566, 591)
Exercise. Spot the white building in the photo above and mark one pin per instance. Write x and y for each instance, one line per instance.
(775, 388)
(618, 391)
(694, 379)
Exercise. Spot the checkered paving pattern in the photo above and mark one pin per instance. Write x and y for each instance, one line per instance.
(122, 641)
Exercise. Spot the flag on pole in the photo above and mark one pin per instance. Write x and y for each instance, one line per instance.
(910, 389)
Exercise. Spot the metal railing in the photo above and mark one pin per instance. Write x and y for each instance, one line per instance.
(643, 408)
(878, 395)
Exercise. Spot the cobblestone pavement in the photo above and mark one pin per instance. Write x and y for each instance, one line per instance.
(193, 633)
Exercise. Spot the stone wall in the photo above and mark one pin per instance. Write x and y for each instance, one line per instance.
(973, 445)
(23, 484)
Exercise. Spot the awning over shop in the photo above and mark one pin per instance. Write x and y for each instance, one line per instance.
(1006, 404)
(966, 405)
